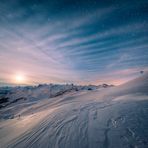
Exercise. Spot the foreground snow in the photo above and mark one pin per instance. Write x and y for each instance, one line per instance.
(108, 118)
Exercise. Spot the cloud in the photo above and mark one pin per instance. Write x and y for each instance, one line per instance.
(69, 45)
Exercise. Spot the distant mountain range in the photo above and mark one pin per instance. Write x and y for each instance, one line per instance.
(9, 95)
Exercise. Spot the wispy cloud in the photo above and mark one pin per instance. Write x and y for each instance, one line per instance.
(71, 46)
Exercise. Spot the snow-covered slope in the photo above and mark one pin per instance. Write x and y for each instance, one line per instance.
(109, 118)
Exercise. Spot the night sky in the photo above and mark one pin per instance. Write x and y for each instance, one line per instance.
(73, 41)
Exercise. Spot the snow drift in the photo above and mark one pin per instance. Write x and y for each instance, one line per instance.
(109, 118)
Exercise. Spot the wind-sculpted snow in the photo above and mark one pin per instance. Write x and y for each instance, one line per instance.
(108, 118)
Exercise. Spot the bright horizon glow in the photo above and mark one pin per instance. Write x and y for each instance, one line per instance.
(19, 78)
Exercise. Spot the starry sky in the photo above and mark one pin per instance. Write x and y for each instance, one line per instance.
(73, 41)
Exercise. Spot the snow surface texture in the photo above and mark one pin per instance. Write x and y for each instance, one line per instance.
(114, 117)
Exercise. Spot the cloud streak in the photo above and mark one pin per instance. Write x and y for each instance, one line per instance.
(57, 43)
